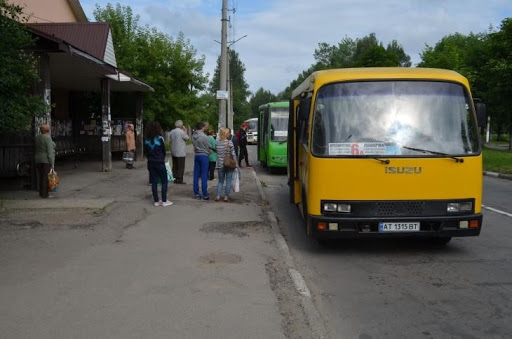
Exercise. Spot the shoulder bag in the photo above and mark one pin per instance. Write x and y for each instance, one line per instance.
(229, 160)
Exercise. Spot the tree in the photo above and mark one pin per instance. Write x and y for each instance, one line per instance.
(485, 60)
(499, 68)
(18, 72)
(363, 52)
(259, 98)
(240, 88)
(167, 64)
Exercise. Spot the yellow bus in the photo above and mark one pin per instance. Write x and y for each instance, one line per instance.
(386, 152)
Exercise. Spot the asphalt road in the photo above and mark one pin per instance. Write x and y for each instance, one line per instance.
(404, 289)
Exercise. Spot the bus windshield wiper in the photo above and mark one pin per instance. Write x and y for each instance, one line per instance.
(434, 152)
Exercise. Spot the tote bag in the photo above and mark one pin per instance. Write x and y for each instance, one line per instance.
(236, 181)
(53, 181)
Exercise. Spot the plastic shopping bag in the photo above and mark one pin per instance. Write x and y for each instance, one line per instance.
(236, 180)
(170, 176)
(53, 181)
(128, 157)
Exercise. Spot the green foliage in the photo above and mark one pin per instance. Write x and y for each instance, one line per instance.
(240, 88)
(486, 60)
(363, 52)
(18, 73)
(259, 98)
(499, 161)
(169, 65)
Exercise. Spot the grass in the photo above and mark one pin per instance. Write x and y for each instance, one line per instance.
(499, 161)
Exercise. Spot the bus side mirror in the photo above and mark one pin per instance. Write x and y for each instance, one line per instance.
(481, 112)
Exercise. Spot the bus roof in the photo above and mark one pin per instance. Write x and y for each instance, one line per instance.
(275, 104)
(320, 78)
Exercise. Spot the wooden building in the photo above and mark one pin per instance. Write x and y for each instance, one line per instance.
(91, 99)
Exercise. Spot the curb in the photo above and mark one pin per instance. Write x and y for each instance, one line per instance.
(498, 175)
(316, 323)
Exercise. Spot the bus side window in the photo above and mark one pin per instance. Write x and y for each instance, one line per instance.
(303, 115)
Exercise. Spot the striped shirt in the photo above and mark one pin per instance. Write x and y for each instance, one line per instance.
(221, 149)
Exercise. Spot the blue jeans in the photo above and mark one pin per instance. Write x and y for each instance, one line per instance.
(158, 171)
(201, 164)
(228, 175)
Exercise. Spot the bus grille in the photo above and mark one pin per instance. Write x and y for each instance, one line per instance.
(399, 208)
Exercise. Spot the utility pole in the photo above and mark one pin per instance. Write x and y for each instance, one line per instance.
(223, 63)
(230, 90)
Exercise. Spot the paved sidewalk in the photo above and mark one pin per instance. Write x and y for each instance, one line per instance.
(196, 269)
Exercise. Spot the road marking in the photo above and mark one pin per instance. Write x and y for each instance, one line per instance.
(497, 211)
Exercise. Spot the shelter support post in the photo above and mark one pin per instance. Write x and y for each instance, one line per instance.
(44, 89)
(106, 137)
(139, 133)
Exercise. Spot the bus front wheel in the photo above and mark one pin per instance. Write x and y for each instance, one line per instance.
(307, 220)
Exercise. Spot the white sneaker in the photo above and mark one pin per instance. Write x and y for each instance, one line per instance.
(167, 203)
(158, 203)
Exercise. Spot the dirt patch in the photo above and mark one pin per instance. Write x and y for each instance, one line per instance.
(220, 259)
(238, 228)
(29, 219)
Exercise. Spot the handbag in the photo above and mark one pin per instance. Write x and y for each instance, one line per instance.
(229, 160)
(53, 181)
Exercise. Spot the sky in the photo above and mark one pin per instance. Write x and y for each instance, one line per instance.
(282, 35)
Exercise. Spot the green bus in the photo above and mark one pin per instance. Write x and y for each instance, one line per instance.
(273, 135)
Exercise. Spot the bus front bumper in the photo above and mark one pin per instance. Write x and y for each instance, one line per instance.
(430, 227)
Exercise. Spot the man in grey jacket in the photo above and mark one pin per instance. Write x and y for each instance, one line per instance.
(178, 151)
(201, 161)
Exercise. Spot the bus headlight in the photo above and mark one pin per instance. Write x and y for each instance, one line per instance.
(337, 207)
(344, 208)
(459, 206)
(330, 207)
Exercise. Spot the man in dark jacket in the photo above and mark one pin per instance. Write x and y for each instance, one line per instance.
(242, 143)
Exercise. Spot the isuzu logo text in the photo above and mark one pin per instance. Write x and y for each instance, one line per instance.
(402, 170)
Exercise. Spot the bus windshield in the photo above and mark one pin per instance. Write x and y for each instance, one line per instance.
(279, 124)
(252, 124)
(393, 118)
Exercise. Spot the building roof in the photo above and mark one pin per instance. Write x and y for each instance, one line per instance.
(90, 37)
(76, 68)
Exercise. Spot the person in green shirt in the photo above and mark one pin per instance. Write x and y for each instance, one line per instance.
(44, 158)
(212, 158)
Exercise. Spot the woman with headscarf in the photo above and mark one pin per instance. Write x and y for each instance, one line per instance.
(44, 158)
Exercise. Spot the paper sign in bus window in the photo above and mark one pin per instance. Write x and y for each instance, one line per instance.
(357, 148)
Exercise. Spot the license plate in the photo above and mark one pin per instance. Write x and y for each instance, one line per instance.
(399, 227)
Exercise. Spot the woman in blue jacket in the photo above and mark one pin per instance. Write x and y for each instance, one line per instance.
(155, 152)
